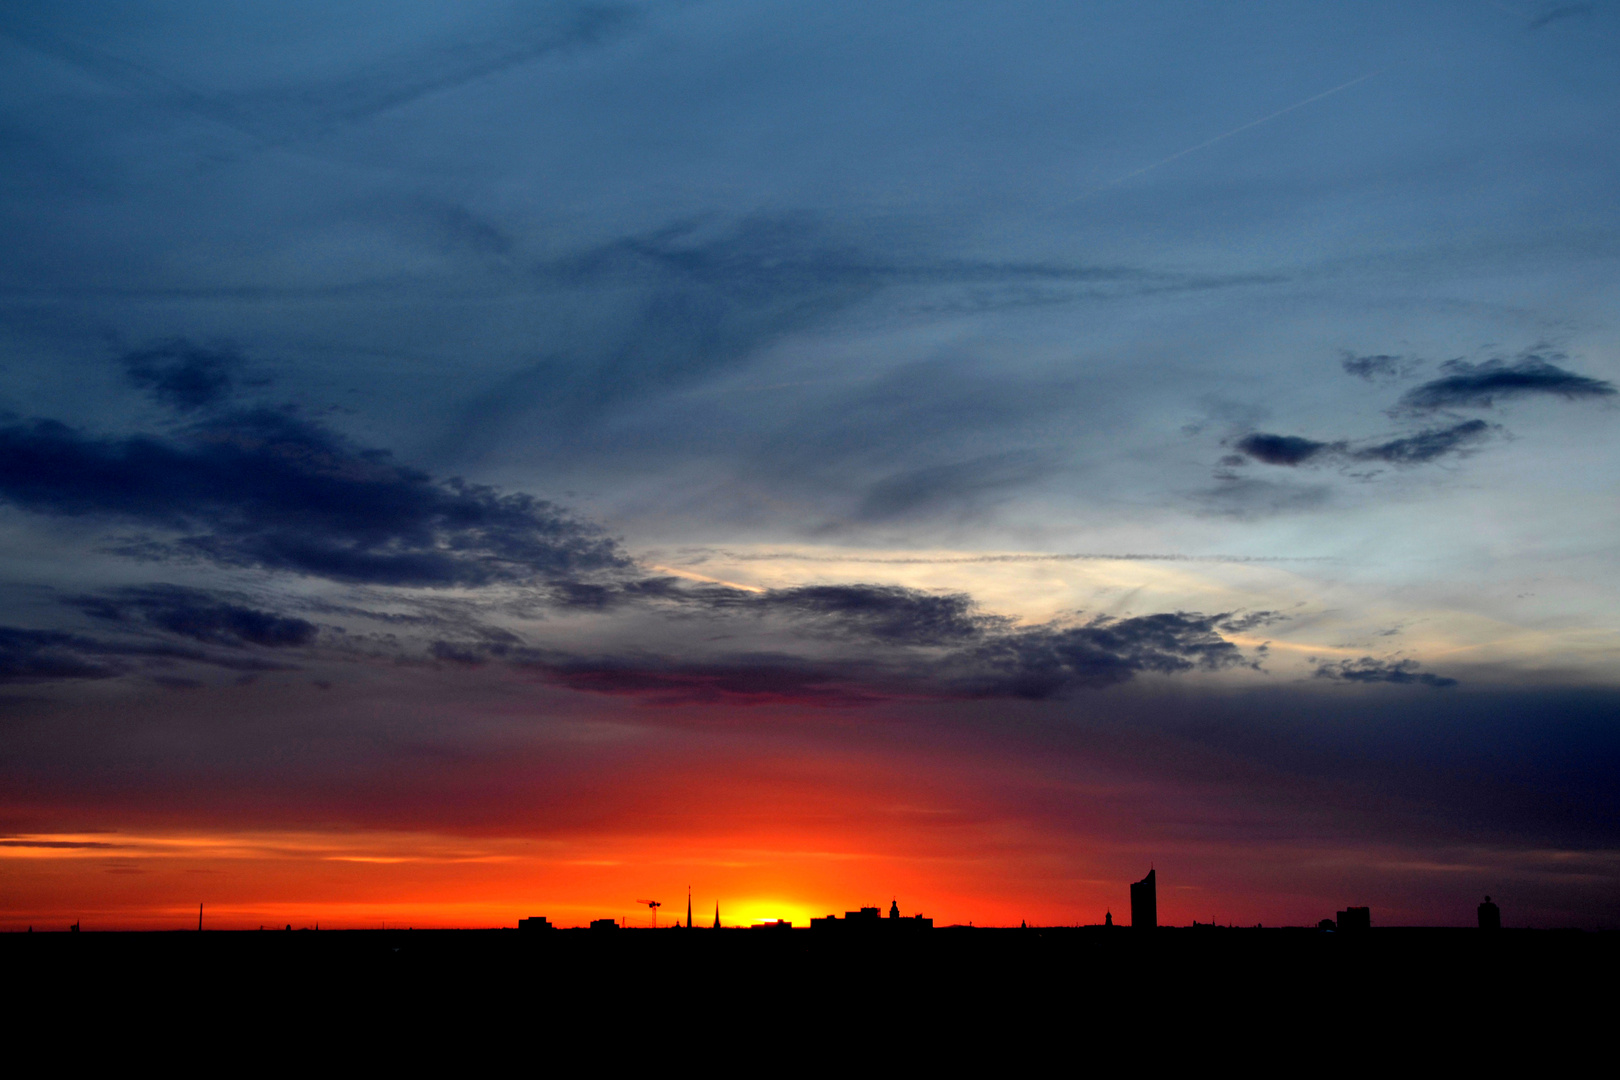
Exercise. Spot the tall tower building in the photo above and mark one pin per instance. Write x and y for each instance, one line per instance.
(717, 914)
(689, 907)
(1144, 903)
(894, 908)
(1490, 916)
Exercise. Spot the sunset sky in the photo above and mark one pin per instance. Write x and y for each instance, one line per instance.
(461, 461)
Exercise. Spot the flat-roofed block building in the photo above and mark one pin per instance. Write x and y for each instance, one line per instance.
(1353, 920)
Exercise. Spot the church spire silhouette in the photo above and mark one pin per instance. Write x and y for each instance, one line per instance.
(717, 914)
(689, 907)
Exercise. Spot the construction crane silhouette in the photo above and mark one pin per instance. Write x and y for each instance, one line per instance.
(652, 906)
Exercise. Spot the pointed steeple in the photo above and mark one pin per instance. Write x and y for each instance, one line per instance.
(717, 914)
(689, 907)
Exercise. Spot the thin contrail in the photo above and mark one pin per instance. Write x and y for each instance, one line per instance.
(912, 560)
(1235, 131)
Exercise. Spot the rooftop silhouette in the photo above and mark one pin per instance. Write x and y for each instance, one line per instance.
(871, 919)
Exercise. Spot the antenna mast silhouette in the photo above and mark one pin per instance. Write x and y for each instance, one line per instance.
(652, 906)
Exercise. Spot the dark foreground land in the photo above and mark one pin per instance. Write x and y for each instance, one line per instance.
(1449, 994)
(1171, 968)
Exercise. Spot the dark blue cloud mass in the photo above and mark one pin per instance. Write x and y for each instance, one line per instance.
(1480, 386)
(1417, 449)
(182, 375)
(267, 489)
(197, 614)
(1369, 670)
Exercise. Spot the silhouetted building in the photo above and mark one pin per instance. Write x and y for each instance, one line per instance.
(773, 924)
(717, 914)
(604, 924)
(1327, 926)
(534, 922)
(871, 918)
(1490, 916)
(1354, 920)
(1108, 918)
(1144, 903)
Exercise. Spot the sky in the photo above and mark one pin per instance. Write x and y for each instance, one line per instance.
(468, 461)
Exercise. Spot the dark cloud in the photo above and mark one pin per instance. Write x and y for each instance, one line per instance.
(994, 661)
(1468, 385)
(1420, 448)
(887, 613)
(1376, 368)
(740, 680)
(1426, 446)
(29, 655)
(1283, 449)
(1368, 670)
(1044, 662)
(1243, 622)
(199, 615)
(181, 375)
(50, 655)
(891, 614)
(266, 489)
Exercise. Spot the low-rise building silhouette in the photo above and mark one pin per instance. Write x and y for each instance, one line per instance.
(534, 922)
(773, 924)
(1144, 903)
(604, 924)
(871, 918)
(1490, 916)
(1354, 920)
